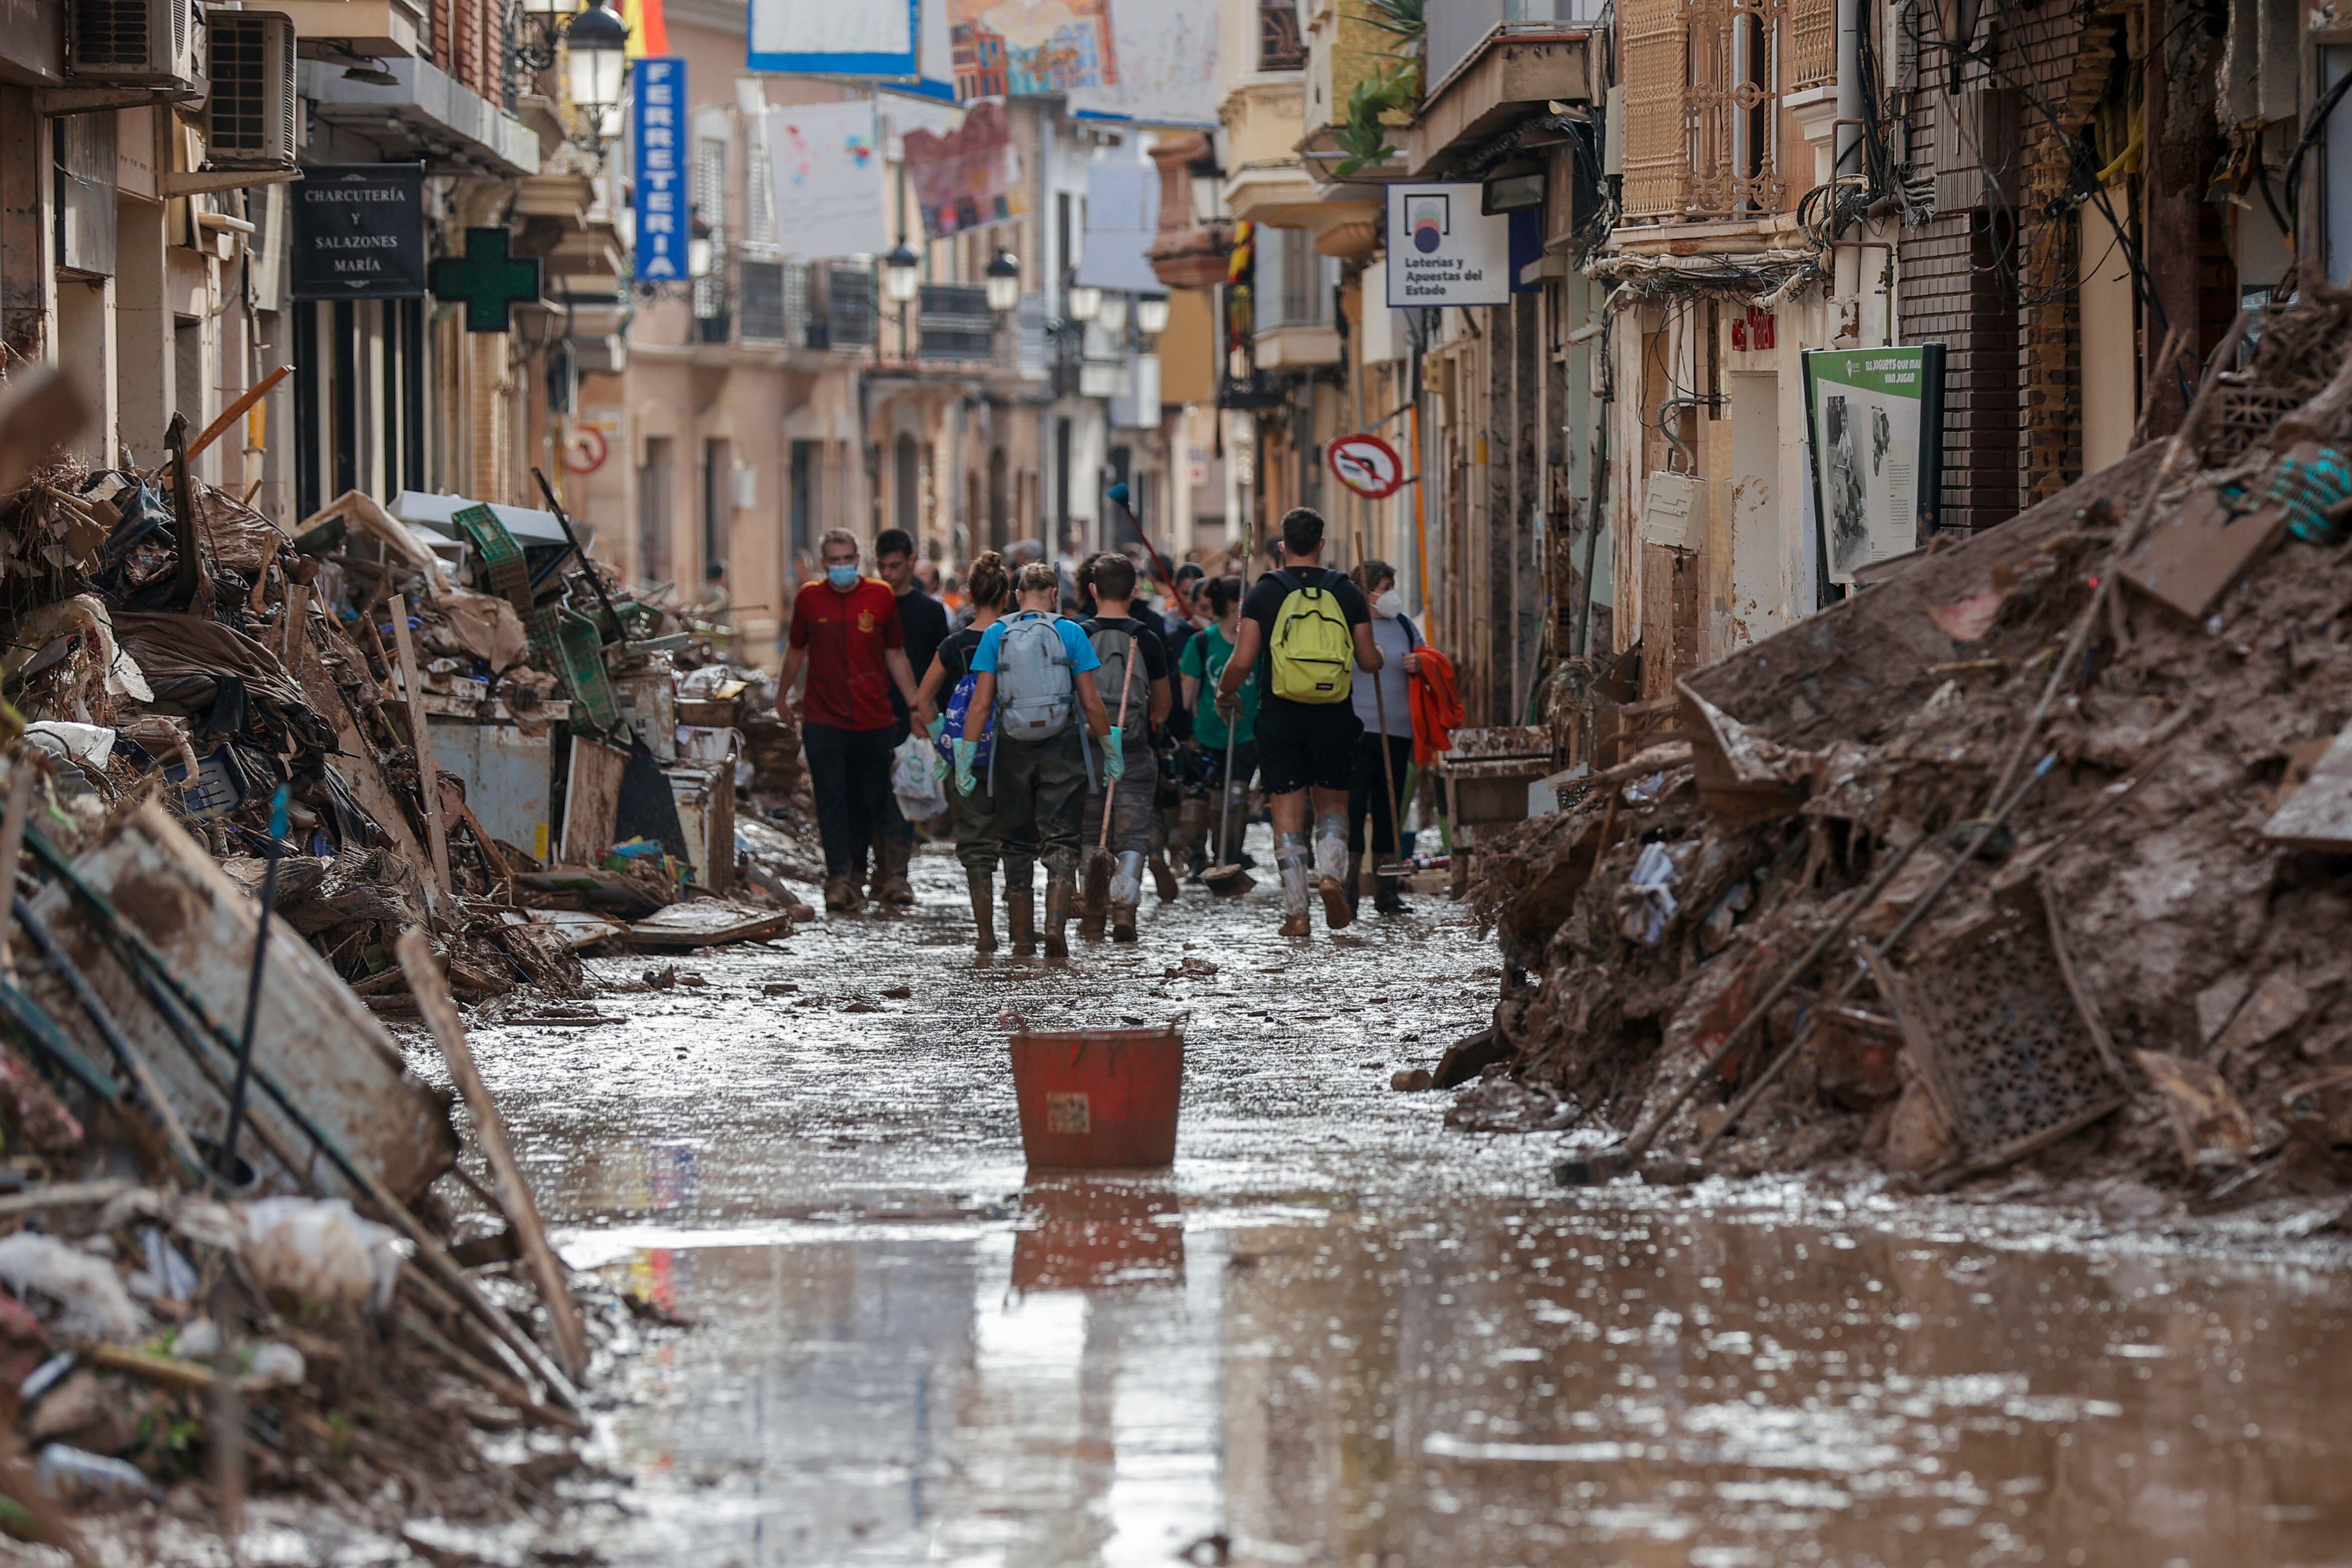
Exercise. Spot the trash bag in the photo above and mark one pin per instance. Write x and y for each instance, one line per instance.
(915, 780)
(76, 1295)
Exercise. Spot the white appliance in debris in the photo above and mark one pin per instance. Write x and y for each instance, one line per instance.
(1673, 510)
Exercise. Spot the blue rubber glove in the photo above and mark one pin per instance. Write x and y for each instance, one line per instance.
(1114, 756)
(965, 751)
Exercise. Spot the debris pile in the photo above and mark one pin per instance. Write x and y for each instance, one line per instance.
(2036, 848)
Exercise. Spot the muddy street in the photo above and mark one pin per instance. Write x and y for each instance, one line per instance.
(1337, 1332)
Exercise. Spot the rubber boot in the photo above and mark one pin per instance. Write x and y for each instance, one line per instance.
(1094, 884)
(984, 909)
(1388, 895)
(1126, 893)
(1163, 877)
(891, 885)
(1290, 860)
(1061, 891)
(842, 897)
(1020, 915)
(1331, 869)
(1355, 880)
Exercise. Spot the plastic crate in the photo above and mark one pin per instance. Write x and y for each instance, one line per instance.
(574, 652)
(502, 557)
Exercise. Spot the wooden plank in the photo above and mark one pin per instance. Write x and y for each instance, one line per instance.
(432, 993)
(707, 923)
(420, 736)
(2318, 815)
(2191, 557)
(592, 799)
(355, 760)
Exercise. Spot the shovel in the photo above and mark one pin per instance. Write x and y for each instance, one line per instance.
(1098, 880)
(1228, 881)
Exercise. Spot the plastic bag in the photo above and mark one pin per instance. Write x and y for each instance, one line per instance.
(320, 1251)
(1647, 902)
(86, 1293)
(914, 780)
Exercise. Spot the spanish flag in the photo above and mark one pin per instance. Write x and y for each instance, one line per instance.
(649, 30)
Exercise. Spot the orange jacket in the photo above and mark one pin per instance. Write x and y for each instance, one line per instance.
(1437, 706)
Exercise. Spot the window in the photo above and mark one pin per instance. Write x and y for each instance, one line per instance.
(759, 196)
(806, 459)
(718, 499)
(709, 204)
(1279, 45)
(760, 285)
(653, 511)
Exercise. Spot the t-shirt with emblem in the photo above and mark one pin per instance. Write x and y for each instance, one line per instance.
(845, 636)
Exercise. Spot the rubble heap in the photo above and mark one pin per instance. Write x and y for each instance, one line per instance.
(2065, 808)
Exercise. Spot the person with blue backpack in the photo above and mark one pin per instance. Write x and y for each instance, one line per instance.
(978, 836)
(1305, 629)
(1026, 668)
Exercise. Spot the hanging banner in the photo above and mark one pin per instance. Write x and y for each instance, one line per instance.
(359, 232)
(967, 177)
(1876, 422)
(1018, 48)
(1444, 251)
(827, 168)
(664, 216)
(1167, 71)
(870, 38)
(1122, 222)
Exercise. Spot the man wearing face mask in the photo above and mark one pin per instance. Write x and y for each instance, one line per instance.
(1387, 708)
(846, 632)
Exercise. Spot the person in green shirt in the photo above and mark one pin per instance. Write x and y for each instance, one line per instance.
(1203, 661)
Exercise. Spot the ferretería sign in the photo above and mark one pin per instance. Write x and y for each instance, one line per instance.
(359, 232)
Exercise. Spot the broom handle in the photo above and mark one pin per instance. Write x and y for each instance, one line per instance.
(1225, 788)
(1388, 769)
(1125, 690)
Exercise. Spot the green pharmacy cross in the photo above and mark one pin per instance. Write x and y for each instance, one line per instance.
(487, 278)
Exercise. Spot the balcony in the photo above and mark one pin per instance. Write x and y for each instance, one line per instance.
(954, 323)
(423, 113)
(334, 29)
(1298, 302)
(1703, 107)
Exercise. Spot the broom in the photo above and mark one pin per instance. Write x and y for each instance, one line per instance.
(1228, 881)
(1098, 878)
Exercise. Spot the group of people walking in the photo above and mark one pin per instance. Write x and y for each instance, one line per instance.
(1069, 738)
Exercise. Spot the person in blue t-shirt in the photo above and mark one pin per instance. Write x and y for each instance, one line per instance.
(1038, 780)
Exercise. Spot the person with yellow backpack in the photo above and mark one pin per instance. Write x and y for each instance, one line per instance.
(1305, 631)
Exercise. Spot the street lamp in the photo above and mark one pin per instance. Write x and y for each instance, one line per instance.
(1112, 313)
(596, 61)
(1151, 315)
(1005, 282)
(901, 272)
(544, 20)
(1084, 302)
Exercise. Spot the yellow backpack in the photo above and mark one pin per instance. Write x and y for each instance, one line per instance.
(1313, 650)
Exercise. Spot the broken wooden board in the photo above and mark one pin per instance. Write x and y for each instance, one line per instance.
(2318, 815)
(313, 1033)
(578, 926)
(2191, 557)
(592, 799)
(707, 923)
(2209, 1125)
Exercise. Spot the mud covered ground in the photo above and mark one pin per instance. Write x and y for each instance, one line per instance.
(1337, 1333)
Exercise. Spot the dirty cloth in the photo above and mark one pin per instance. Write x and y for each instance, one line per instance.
(1437, 706)
(1040, 788)
(1134, 803)
(202, 669)
(486, 624)
(1648, 902)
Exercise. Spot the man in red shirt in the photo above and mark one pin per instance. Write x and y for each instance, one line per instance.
(845, 632)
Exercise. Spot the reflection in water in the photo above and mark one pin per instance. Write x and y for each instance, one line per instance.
(1336, 1333)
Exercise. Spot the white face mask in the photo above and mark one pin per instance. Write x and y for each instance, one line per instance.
(1389, 605)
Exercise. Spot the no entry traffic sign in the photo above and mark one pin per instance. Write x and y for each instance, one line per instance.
(1366, 465)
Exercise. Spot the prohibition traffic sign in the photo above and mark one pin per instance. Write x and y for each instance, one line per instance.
(1366, 465)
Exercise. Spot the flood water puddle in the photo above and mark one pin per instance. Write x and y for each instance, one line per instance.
(1334, 1332)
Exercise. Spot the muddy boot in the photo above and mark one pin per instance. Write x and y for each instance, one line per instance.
(1126, 893)
(1290, 862)
(1331, 871)
(1020, 915)
(1163, 877)
(1094, 885)
(1388, 895)
(1061, 891)
(842, 897)
(890, 883)
(984, 909)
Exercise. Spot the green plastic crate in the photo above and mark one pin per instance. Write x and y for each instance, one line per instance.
(574, 652)
(501, 556)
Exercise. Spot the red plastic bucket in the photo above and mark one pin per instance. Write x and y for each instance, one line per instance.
(1098, 1099)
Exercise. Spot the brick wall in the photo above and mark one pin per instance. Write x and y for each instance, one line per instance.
(1953, 295)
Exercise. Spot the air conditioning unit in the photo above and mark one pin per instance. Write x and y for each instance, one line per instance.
(132, 43)
(249, 117)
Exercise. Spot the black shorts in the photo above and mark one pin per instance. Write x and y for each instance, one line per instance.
(1304, 744)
